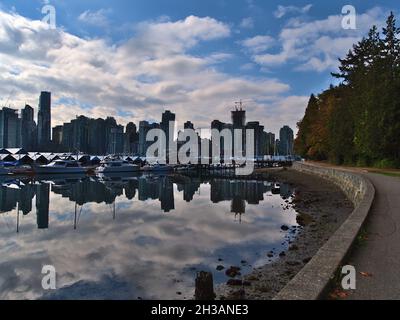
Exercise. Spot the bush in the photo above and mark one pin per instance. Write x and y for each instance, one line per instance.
(387, 164)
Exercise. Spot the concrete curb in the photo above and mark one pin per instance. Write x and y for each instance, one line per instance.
(313, 280)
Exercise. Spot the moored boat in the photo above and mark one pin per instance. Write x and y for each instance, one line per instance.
(117, 166)
(60, 167)
(158, 168)
(4, 171)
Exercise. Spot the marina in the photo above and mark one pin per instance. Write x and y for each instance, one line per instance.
(19, 162)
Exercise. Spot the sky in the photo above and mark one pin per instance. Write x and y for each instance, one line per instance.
(135, 59)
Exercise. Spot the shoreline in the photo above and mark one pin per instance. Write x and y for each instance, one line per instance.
(322, 208)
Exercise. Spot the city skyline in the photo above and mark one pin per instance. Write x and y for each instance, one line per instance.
(136, 58)
(99, 136)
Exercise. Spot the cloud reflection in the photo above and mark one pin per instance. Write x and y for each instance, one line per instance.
(136, 237)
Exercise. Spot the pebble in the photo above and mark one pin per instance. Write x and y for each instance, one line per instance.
(220, 268)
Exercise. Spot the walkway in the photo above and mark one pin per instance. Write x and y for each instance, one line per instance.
(378, 258)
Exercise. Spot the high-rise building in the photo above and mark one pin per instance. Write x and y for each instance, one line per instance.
(286, 141)
(44, 120)
(116, 140)
(258, 137)
(270, 144)
(80, 134)
(239, 123)
(144, 128)
(29, 129)
(10, 128)
(238, 118)
(131, 139)
(225, 148)
(114, 136)
(97, 137)
(57, 135)
(188, 125)
(67, 139)
(167, 123)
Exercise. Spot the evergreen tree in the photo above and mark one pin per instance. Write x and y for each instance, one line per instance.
(359, 120)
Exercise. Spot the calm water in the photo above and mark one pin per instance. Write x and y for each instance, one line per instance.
(138, 237)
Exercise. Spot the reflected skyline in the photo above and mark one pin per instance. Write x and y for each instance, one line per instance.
(239, 193)
(139, 237)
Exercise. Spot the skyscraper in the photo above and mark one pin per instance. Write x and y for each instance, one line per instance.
(238, 118)
(29, 132)
(131, 139)
(44, 120)
(239, 123)
(57, 135)
(258, 137)
(168, 118)
(144, 128)
(286, 141)
(116, 139)
(10, 128)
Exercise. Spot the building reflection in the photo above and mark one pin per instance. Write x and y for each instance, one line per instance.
(42, 205)
(239, 193)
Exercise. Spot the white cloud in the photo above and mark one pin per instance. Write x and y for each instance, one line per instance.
(247, 23)
(258, 44)
(282, 11)
(138, 78)
(96, 18)
(318, 44)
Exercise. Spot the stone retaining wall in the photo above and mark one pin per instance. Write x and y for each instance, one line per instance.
(313, 280)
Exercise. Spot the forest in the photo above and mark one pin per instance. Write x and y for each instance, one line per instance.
(357, 122)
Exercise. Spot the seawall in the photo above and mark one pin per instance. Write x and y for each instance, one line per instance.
(314, 279)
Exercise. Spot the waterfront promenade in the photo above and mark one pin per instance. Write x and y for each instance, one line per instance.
(376, 257)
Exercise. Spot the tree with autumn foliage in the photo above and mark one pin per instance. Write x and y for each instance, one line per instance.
(358, 121)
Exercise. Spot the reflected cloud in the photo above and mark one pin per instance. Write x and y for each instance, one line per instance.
(139, 236)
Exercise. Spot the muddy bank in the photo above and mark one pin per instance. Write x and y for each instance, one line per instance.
(322, 208)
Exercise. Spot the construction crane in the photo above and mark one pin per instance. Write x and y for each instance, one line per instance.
(9, 97)
(239, 104)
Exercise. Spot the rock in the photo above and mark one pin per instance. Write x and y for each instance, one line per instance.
(293, 263)
(293, 248)
(232, 272)
(282, 254)
(306, 260)
(263, 288)
(220, 268)
(234, 282)
(304, 219)
(243, 262)
(237, 295)
(270, 254)
(284, 228)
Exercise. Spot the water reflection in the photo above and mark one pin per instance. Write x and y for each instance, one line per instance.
(142, 252)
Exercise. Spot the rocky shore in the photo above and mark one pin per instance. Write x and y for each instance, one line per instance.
(322, 207)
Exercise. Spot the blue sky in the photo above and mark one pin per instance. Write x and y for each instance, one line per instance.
(134, 59)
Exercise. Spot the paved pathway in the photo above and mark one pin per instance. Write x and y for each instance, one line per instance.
(379, 255)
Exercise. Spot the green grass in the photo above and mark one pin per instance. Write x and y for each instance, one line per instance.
(362, 238)
(386, 173)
